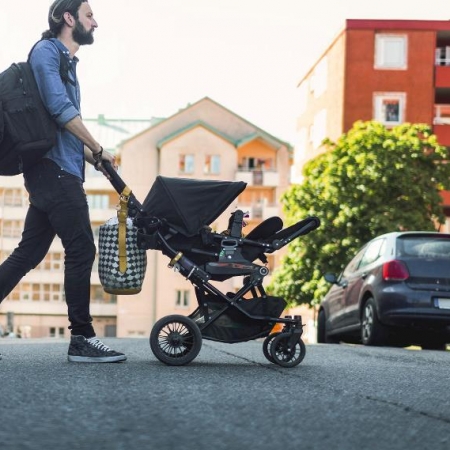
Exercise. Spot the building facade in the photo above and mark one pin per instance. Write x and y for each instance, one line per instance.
(203, 141)
(392, 71)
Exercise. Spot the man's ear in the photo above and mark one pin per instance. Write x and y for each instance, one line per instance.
(69, 19)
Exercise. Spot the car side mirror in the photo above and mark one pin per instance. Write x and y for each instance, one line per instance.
(331, 278)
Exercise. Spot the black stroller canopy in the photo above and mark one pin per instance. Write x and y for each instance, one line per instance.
(189, 204)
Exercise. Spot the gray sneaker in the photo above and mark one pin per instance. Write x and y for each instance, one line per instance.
(92, 350)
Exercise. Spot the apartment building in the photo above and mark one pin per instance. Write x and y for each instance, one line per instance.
(392, 71)
(204, 141)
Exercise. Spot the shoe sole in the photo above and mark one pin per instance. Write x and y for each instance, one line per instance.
(96, 359)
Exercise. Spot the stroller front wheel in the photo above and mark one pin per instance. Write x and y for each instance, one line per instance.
(267, 344)
(285, 355)
(175, 340)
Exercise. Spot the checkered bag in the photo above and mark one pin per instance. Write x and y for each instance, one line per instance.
(113, 279)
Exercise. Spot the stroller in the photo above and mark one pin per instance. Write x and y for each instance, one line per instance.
(175, 219)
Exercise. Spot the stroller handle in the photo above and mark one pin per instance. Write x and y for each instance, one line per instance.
(117, 182)
(119, 185)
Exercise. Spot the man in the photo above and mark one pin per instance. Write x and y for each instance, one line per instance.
(58, 204)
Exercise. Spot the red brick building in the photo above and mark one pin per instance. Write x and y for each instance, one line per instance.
(393, 71)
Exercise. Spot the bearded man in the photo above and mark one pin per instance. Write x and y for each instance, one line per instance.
(58, 204)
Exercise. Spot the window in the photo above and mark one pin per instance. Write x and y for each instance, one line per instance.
(98, 201)
(56, 332)
(53, 261)
(389, 108)
(47, 292)
(182, 299)
(212, 164)
(373, 252)
(391, 51)
(186, 164)
(12, 228)
(98, 295)
(354, 263)
(14, 197)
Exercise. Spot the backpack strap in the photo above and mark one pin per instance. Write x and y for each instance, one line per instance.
(63, 64)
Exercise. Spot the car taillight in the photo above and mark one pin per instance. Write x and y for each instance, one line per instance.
(395, 271)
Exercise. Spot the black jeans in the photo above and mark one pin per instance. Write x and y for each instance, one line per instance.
(58, 206)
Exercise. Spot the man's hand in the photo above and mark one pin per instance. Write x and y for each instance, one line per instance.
(96, 158)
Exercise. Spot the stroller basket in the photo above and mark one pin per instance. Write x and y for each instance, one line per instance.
(175, 219)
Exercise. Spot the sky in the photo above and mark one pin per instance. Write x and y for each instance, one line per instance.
(152, 58)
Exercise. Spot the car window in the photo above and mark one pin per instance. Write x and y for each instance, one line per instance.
(423, 246)
(374, 250)
(352, 266)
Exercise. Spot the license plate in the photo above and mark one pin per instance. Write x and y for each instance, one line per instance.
(443, 303)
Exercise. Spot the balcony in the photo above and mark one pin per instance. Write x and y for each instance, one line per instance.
(441, 115)
(441, 124)
(12, 182)
(258, 177)
(12, 212)
(260, 211)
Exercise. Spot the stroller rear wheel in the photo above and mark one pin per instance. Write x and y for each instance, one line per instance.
(285, 355)
(175, 340)
(267, 344)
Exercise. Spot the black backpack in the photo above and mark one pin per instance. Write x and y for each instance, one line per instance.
(27, 131)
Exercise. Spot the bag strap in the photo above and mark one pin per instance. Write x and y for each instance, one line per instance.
(122, 215)
(63, 64)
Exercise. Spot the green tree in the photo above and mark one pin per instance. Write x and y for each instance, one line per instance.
(373, 180)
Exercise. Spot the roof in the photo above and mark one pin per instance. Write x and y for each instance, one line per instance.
(198, 123)
(274, 141)
(111, 132)
(424, 25)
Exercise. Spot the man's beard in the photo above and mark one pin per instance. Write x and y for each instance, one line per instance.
(81, 36)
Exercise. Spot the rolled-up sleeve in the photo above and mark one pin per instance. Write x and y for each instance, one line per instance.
(45, 61)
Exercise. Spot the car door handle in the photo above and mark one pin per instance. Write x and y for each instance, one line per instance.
(364, 275)
(344, 284)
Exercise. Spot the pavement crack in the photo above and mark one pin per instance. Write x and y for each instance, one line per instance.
(407, 409)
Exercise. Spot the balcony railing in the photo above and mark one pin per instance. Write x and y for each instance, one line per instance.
(441, 115)
(442, 56)
(258, 177)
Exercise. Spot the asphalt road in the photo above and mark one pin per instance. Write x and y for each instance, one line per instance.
(230, 397)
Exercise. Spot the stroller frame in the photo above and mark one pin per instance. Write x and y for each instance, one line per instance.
(245, 315)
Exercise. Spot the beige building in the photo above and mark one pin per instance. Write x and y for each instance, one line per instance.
(203, 141)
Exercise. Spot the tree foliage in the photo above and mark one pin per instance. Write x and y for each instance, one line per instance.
(373, 180)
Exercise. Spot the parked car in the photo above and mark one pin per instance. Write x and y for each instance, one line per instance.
(395, 291)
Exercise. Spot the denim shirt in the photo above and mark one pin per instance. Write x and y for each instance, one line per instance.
(62, 102)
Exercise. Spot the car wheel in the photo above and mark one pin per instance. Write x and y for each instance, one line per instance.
(322, 337)
(373, 331)
(321, 334)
